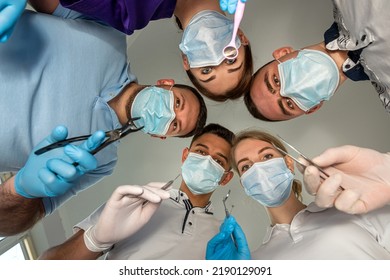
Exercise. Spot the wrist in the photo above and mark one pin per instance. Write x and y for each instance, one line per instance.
(93, 244)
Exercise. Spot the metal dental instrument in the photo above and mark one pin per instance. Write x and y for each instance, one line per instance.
(324, 174)
(231, 51)
(166, 186)
(227, 213)
(112, 136)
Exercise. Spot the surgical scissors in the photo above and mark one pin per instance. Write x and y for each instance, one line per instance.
(112, 136)
(324, 174)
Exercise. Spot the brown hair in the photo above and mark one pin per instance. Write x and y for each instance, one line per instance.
(264, 136)
(242, 87)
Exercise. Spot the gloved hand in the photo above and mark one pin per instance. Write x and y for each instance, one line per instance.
(52, 173)
(363, 173)
(124, 214)
(229, 5)
(223, 247)
(10, 11)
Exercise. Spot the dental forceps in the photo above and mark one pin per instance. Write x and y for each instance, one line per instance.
(227, 213)
(112, 136)
(323, 173)
(166, 186)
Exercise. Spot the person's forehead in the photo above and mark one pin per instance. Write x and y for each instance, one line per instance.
(212, 142)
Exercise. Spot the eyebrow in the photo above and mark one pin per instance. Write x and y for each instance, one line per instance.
(259, 152)
(231, 70)
(206, 147)
(268, 84)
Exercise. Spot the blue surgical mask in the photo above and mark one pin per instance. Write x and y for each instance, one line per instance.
(309, 78)
(205, 37)
(201, 174)
(154, 106)
(268, 182)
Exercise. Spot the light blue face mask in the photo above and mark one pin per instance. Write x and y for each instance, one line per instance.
(205, 38)
(201, 174)
(154, 106)
(309, 78)
(268, 182)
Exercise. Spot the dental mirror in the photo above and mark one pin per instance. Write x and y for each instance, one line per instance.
(231, 51)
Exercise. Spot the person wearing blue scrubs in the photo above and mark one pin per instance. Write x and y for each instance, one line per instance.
(66, 69)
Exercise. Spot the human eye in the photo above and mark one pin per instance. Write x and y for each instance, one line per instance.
(268, 157)
(201, 152)
(276, 80)
(177, 103)
(289, 103)
(230, 61)
(220, 162)
(206, 70)
(174, 125)
(244, 168)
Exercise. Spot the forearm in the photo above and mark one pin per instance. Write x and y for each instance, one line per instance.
(72, 249)
(17, 213)
(44, 6)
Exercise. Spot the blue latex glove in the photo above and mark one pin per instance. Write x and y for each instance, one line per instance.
(53, 173)
(229, 5)
(10, 11)
(223, 247)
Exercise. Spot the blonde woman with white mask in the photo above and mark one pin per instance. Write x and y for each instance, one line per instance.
(296, 231)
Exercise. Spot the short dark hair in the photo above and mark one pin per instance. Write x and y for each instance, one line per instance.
(218, 130)
(242, 87)
(253, 110)
(201, 120)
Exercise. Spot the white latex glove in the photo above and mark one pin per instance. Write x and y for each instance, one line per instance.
(124, 214)
(363, 173)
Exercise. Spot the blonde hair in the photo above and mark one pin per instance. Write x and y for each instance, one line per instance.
(266, 137)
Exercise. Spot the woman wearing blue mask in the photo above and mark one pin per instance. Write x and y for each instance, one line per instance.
(296, 231)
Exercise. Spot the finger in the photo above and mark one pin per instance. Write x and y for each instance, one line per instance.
(127, 190)
(163, 194)
(85, 160)
(311, 179)
(239, 236)
(63, 169)
(8, 18)
(223, 4)
(58, 133)
(329, 191)
(336, 155)
(232, 6)
(4, 36)
(53, 185)
(216, 241)
(94, 141)
(153, 195)
(349, 202)
(148, 211)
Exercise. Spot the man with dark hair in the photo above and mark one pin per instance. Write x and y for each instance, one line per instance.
(181, 227)
(298, 81)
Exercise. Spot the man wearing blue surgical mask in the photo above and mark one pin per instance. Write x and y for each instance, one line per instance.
(297, 82)
(48, 82)
(179, 229)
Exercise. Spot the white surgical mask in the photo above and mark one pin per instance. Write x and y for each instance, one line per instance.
(268, 182)
(205, 37)
(154, 106)
(309, 78)
(201, 174)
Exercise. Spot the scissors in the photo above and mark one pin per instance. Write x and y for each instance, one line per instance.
(112, 136)
(323, 173)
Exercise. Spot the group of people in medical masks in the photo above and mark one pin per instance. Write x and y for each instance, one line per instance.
(302, 79)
